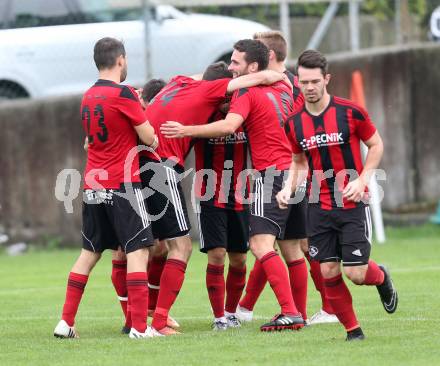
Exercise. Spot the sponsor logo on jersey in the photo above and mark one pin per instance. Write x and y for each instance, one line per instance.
(324, 139)
(235, 138)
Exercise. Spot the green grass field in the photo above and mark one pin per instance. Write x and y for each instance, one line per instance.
(32, 290)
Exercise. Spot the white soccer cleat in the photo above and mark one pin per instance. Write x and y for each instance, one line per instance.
(232, 320)
(244, 315)
(322, 317)
(62, 330)
(220, 324)
(150, 332)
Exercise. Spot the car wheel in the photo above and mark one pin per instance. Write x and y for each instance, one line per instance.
(12, 91)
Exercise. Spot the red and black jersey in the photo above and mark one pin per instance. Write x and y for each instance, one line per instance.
(298, 97)
(219, 166)
(264, 110)
(108, 112)
(188, 101)
(331, 142)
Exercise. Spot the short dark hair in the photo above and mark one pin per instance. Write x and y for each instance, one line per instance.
(275, 41)
(106, 52)
(217, 70)
(311, 59)
(255, 51)
(151, 88)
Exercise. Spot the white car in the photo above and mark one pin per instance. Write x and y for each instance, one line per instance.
(46, 46)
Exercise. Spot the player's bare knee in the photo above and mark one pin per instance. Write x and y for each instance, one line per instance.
(290, 250)
(160, 249)
(185, 246)
(85, 262)
(257, 250)
(119, 255)
(304, 243)
(217, 256)
(261, 244)
(330, 269)
(237, 260)
(355, 274)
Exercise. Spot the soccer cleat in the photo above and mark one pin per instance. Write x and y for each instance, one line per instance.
(283, 322)
(322, 317)
(387, 292)
(149, 333)
(172, 323)
(62, 330)
(125, 330)
(232, 321)
(244, 315)
(355, 335)
(167, 331)
(220, 324)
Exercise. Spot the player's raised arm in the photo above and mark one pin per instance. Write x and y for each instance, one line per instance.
(265, 77)
(224, 127)
(147, 135)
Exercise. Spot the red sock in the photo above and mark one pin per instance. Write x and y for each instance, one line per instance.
(137, 285)
(255, 286)
(374, 275)
(170, 284)
(215, 283)
(340, 298)
(155, 269)
(279, 281)
(298, 283)
(235, 283)
(119, 274)
(75, 288)
(315, 273)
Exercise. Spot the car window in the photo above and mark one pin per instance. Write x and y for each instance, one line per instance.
(109, 10)
(38, 13)
(4, 11)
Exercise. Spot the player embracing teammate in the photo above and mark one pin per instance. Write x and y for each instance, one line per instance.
(262, 111)
(324, 133)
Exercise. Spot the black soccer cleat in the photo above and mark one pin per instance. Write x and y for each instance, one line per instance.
(387, 292)
(283, 322)
(125, 330)
(355, 335)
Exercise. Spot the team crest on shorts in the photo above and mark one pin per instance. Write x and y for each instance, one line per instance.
(313, 251)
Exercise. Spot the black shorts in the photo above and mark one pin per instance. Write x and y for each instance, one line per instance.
(266, 216)
(111, 220)
(223, 228)
(165, 199)
(339, 235)
(296, 226)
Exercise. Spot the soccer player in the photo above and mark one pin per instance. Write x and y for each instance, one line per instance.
(150, 90)
(191, 101)
(158, 254)
(325, 136)
(262, 111)
(294, 241)
(223, 218)
(114, 212)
